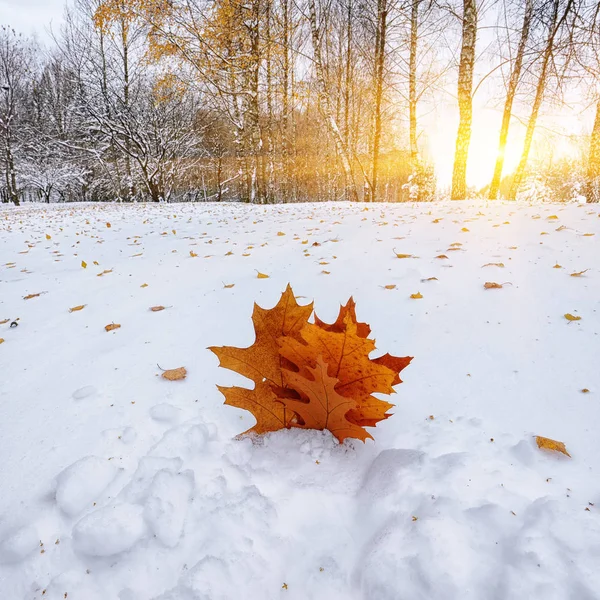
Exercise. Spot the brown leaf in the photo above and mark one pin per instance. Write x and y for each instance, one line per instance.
(263, 364)
(548, 444)
(77, 308)
(144, 285)
(491, 285)
(320, 406)
(112, 327)
(441, 256)
(30, 296)
(362, 329)
(4, 321)
(1, 340)
(228, 286)
(579, 273)
(570, 317)
(157, 308)
(429, 279)
(416, 296)
(105, 272)
(501, 265)
(108, 225)
(390, 286)
(174, 374)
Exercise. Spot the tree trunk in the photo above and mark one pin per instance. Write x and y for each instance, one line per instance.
(554, 27)
(465, 99)
(592, 191)
(510, 96)
(285, 141)
(412, 83)
(382, 11)
(325, 105)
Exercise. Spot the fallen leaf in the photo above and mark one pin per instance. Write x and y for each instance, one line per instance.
(416, 296)
(585, 391)
(402, 255)
(429, 279)
(48, 237)
(30, 296)
(501, 265)
(144, 285)
(112, 327)
(174, 374)
(464, 229)
(280, 233)
(326, 272)
(548, 444)
(4, 321)
(441, 256)
(588, 234)
(390, 286)
(157, 308)
(105, 272)
(84, 264)
(579, 273)
(193, 254)
(491, 285)
(77, 308)
(1, 340)
(260, 275)
(570, 317)
(228, 286)
(108, 225)
(552, 217)
(557, 266)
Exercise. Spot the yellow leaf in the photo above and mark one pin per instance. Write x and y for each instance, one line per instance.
(391, 286)
(112, 327)
(261, 275)
(157, 308)
(229, 253)
(193, 254)
(77, 308)
(588, 234)
(96, 263)
(441, 256)
(464, 229)
(570, 317)
(416, 296)
(326, 272)
(548, 444)
(436, 220)
(305, 241)
(1, 340)
(84, 264)
(491, 285)
(174, 231)
(48, 237)
(228, 286)
(144, 285)
(4, 321)
(108, 225)
(552, 218)
(579, 273)
(30, 296)
(280, 233)
(557, 266)
(174, 374)
(402, 255)
(104, 272)
(501, 265)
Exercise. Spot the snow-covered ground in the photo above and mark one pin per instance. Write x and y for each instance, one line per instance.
(116, 484)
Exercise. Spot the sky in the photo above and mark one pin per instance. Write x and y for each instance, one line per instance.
(32, 16)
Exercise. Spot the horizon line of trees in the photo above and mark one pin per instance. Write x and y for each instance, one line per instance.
(284, 100)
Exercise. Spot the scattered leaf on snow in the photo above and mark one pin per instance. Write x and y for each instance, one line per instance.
(585, 391)
(391, 286)
(492, 285)
(228, 286)
(260, 275)
(48, 237)
(157, 308)
(112, 327)
(280, 233)
(416, 296)
(4, 321)
(441, 256)
(579, 273)
(464, 229)
(548, 444)
(144, 285)
(429, 279)
(108, 225)
(30, 296)
(174, 374)
(77, 308)
(193, 254)
(1, 340)
(84, 264)
(501, 265)
(402, 255)
(557, 266)
(588, 234)
(570, 317)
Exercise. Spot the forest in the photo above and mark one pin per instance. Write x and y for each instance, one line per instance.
(266, 101)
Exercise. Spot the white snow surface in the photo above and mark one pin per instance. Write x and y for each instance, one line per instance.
(116, 484)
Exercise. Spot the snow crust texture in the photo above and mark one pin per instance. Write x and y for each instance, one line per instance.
(118, 485)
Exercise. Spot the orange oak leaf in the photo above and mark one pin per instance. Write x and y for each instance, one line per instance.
(320, 405)
(349, 308)
(112, 327)
(545, 443)
(262, 362)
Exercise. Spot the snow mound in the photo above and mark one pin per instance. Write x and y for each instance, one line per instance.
(110, 530)
(17, 545)
(81, 484)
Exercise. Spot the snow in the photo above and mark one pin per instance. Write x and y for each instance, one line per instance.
(119, 485)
